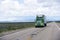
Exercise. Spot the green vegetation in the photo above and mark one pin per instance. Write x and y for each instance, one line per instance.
(57, 21)
(16, 25)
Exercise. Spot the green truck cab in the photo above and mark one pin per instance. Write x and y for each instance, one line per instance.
(40, 21)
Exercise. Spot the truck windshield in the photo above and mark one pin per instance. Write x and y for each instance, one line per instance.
(39, 18)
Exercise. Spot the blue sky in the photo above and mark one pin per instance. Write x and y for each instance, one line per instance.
(26, 10)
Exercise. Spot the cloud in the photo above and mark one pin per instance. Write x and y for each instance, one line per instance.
(46, 7)
(11, 8)
(58, 1)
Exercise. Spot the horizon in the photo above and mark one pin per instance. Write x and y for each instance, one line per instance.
(31, 19)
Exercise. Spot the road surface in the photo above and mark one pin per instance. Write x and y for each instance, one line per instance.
(46, 33)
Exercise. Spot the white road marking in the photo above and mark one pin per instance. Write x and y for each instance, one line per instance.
(57, 26)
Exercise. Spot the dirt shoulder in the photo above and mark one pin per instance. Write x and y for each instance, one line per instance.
(58, 24)
(12, 31)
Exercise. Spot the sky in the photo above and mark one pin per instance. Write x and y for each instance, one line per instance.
(26, 10)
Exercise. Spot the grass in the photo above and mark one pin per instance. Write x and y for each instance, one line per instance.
(57, 21)
(14, 26)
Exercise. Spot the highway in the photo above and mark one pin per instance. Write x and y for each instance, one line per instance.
(50, 32)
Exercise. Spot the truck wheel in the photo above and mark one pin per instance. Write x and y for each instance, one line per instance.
(36, 27)
(45, 24)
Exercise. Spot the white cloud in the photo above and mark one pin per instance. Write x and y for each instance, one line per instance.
(46, 7)
(10, 8)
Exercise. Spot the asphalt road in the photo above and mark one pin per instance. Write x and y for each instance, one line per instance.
(50, 32)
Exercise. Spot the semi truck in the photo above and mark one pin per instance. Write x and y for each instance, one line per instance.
(40, 21)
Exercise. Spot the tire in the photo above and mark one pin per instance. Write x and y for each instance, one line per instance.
(35, 27)
(45, 24)
(39, 26)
